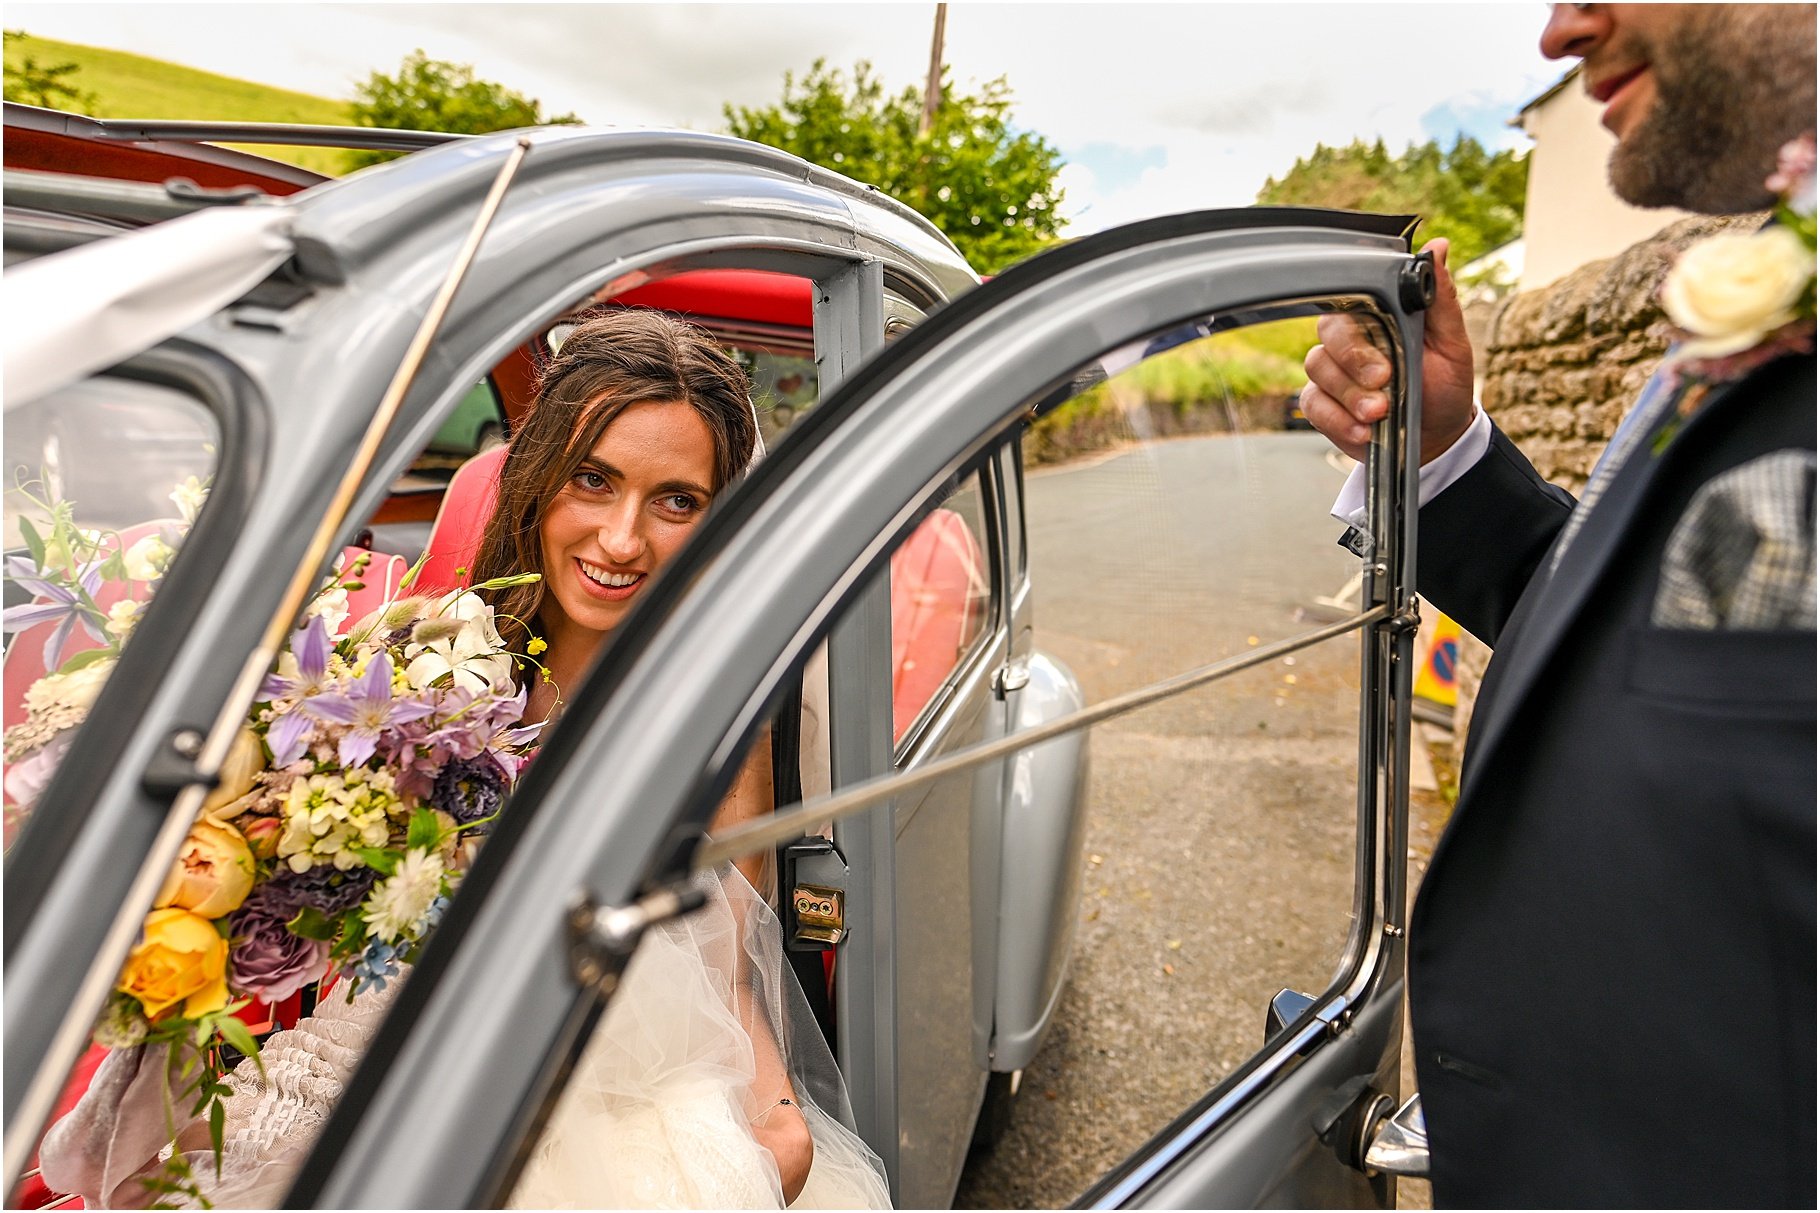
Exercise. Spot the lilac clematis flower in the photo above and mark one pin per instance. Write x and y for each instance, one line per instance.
(310, 656)
(59, 602)
(368, 708)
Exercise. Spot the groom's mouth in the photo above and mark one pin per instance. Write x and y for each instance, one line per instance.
(1620, 94)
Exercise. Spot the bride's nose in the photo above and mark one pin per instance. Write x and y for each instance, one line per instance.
(622, 536)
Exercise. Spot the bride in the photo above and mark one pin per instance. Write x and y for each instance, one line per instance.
(707, 1083)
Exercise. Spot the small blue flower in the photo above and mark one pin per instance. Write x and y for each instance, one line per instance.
(375, 966)
(433, 915)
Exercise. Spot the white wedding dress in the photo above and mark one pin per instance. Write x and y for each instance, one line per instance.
(657, 1112)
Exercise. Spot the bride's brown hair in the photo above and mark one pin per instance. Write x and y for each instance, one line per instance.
(620, 358)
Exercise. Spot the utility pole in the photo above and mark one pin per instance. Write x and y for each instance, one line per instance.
(932, 95)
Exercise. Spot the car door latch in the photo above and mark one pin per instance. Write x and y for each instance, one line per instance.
(815, 908)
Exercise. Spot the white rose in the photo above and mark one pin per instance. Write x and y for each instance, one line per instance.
(1732, 289)
(73, 691)
(147, 559)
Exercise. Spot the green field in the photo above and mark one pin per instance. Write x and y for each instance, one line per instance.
(125, 85)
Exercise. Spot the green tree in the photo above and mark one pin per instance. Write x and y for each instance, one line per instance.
(989, 187)
(1473, 198)
(47, 84)
(434, 95)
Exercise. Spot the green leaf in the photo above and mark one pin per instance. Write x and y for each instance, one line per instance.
(238, 1036)
(425, 832)
(33, 542)
(86, 658)
(312, 923)
(217, 1122)
(378, 858)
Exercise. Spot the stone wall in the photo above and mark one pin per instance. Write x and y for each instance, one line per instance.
(1563, 364)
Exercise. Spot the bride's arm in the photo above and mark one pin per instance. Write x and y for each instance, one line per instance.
(779, 1126)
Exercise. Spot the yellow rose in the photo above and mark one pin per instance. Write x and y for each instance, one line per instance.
(213, 873)
(245, 760)
(182, 959)
(1730, 290)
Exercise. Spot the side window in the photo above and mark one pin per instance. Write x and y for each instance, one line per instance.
(1177, 515)
(941, 599)
(104, 480)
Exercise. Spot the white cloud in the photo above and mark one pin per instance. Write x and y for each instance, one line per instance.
(1219, 96)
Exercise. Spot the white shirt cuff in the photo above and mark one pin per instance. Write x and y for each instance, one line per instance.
(1431, 478)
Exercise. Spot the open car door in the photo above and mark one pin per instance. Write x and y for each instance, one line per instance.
(479, 1043)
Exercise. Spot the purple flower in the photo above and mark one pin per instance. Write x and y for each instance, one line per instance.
(310, 650)
(323, 888)
(470, 790)
(264, 958)
(368, 708)
(63, 604)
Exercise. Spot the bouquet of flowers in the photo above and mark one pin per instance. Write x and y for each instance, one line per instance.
(374, 757)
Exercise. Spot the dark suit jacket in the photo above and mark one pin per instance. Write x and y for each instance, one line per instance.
(1612, 954)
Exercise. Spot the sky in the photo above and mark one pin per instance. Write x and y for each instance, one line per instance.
(1156, 108)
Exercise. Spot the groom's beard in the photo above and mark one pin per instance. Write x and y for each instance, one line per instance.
(1734, 83)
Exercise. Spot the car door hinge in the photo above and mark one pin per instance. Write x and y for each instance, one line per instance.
(1012, 676)
(602, 938)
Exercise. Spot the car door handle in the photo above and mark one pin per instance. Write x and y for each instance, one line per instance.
(1398, 1144)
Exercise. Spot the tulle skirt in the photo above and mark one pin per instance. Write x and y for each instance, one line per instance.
(658, 1111)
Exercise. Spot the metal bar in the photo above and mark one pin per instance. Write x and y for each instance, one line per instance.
(62, 193)
(66, 1046)
(792, 823)
(370, 138)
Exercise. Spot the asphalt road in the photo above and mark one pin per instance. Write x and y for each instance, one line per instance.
(1220, 839)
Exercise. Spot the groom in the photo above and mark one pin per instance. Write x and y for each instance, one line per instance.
(1612, 957)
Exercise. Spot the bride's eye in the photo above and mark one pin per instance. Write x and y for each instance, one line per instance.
(679, 503)
(589, 480)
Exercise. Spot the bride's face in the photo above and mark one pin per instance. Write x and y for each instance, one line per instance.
(631, 504)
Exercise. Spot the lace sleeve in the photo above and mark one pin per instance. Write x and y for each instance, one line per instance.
(116, 1134)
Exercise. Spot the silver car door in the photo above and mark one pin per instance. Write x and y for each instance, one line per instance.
(478, 1043)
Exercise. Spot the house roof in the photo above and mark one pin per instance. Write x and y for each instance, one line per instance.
(1545, 94)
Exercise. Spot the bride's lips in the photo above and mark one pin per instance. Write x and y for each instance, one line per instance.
(605, 593)
(1613, 91)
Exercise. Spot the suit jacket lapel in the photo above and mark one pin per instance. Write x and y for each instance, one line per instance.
(1562, 597)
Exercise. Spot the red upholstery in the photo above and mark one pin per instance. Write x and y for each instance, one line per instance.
(466, 506)
(938, 589)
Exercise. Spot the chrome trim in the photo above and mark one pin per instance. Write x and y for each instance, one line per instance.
(1399, 1142)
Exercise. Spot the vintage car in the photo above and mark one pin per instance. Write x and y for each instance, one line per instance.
(866, 586)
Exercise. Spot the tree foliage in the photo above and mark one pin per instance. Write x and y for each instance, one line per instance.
(989, 187)
(47, 84)
(1473, 198)
(435, 95)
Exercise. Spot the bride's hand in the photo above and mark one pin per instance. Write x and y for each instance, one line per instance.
(783, 1131)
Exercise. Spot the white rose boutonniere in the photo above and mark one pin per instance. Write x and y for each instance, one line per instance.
(1731, 291)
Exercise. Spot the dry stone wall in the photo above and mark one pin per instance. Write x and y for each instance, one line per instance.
(1563, 364)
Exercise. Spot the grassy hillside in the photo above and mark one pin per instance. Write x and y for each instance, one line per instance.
(132, 86)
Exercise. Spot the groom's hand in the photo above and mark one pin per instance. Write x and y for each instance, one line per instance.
(1349, 385)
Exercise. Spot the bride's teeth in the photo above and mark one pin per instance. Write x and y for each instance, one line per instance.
(602, 577)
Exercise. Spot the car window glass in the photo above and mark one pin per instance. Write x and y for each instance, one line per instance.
(941, 598)
(104, 480)
(1177, 514)
(784, 386)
